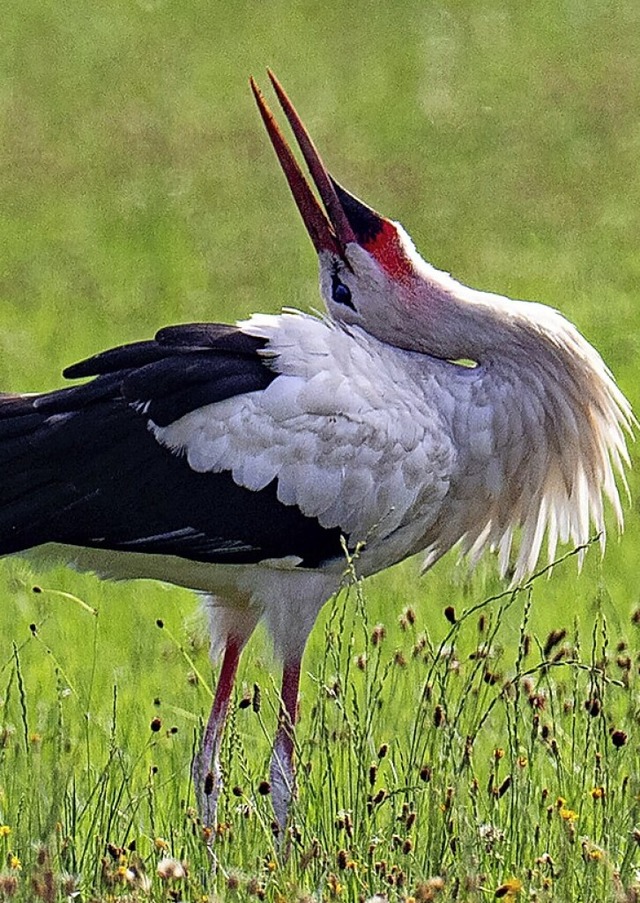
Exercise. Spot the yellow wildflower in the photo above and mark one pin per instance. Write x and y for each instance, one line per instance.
(591, 852)
(14, 863)
(510, 889)
(5, 830)
(568, 814)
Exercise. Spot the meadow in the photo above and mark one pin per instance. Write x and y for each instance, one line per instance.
(458, 740)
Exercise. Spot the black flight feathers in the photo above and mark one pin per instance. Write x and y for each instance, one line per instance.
(183, 368)
(80, 466)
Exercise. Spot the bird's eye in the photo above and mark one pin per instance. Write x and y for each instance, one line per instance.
(340, 292)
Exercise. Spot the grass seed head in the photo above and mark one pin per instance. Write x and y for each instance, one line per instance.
(618, 738)
(502, 789)
(592, 706)
(427, 891)
(171, 869)
(554, 638)
(9, 885)
(439, 716)
(378, 634)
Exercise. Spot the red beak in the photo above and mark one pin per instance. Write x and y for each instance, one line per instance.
(331, 228)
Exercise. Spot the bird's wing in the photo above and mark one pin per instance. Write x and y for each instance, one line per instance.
(81, 466)
(344, 431)
(224, 444)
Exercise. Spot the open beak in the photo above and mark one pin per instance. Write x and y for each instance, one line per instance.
(330, 228)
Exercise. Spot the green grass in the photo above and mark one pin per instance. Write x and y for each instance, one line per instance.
(138, 189)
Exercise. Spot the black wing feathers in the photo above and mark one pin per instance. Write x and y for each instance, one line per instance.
(184, 368)
(81, 466)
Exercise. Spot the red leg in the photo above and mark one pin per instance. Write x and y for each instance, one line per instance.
(282, 768)
(207, 778)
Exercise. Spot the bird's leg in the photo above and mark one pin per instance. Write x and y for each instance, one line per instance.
(207, 777)
(282, 768)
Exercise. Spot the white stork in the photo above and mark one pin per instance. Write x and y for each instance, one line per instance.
(237, 460)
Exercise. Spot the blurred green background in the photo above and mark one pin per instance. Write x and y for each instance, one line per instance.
(139, 189)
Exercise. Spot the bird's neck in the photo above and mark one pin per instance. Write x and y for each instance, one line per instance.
(542, 437)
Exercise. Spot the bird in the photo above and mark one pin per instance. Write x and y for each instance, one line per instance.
(249, 462)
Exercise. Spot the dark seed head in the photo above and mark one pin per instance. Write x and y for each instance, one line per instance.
(502, 789)
(555, 637)
(592, 706)
(378, 634)
(155, 725)
(264, 788)
(618, 738)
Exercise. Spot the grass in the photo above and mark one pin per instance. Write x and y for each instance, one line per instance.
(138, 190)
(445, 760)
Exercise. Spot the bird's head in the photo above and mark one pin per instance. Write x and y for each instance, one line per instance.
(370, 273)
(541, 416)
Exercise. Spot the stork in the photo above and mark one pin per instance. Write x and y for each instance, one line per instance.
(240, 461)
